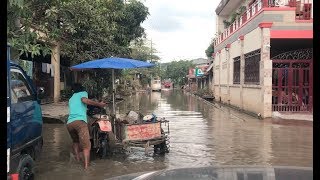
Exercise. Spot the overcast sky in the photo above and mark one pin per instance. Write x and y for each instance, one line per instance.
(180, 29)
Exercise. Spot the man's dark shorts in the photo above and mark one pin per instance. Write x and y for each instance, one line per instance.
(79, 133)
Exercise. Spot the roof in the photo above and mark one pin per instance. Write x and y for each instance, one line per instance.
(200, 61)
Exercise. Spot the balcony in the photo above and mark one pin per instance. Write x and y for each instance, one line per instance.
(302, 8)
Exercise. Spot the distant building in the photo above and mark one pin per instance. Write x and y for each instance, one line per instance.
(263, 55)
(198, 77)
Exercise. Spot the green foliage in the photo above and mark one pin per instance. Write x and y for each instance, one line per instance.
(234, 16)
(91, 86)
(88, 29)
(176, 71)
(209, 50)
(66, 94)
(142, 50)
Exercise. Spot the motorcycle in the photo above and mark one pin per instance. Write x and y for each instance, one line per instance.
(100, 130)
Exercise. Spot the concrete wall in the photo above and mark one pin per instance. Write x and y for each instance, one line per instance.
(223, 67)
(243, 96)
(252, 40)
(251, 100)
(235, 96)
(220, 24)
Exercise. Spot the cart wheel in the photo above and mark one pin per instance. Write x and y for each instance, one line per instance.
(104, 146)
(161, 148)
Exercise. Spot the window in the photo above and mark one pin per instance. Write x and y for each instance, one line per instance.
(236, 70)
(252, 67)
(20, 90)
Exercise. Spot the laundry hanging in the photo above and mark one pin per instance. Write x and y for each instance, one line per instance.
(44, 67)
(48, 68)
(52, 70)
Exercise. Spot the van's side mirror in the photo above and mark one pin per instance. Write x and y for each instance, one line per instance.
(40, 92)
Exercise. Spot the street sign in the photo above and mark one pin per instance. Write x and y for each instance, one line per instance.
(199, 72)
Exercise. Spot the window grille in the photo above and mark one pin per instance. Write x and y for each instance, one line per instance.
(252, 67)
(236, 70)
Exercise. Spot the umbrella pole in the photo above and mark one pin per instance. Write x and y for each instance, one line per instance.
(113, 94)
(114, 105)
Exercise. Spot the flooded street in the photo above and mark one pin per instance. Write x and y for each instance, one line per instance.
(201, 134)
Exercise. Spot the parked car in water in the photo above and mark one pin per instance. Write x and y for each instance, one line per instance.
(156, 84)
(24, 123)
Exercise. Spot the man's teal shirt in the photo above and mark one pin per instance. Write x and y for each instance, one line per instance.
(77, 109)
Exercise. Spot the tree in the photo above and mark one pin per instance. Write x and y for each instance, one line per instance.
(209, 50)
(176, 71)
(142, 50)
(88, 29)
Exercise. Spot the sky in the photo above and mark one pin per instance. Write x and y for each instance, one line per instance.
(180, 29)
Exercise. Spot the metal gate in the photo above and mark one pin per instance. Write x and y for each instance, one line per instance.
(292, 81)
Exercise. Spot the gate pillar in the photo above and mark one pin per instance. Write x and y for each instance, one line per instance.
(266, 71)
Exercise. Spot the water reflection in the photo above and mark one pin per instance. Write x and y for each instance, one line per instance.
(200, 134)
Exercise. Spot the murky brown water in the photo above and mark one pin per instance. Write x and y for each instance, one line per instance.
(201, 134)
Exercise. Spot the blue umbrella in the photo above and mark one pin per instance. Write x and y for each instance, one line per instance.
(112, 63)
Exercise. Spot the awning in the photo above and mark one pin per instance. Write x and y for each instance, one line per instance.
(209, 68)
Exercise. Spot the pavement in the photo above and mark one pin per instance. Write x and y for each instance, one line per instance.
(55, 112)
(303, 116)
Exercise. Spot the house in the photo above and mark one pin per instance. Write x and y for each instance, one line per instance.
(42, 72)
(263, 55)
(198, 77)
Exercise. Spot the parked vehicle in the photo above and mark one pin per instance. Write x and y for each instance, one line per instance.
(156, 84)
(100, 130)
(24, 123)
(167, 84)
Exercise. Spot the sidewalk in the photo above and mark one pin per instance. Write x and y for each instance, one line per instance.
(307, 116)
(55, 112)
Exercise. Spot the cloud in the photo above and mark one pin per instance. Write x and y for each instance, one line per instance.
(180, 29)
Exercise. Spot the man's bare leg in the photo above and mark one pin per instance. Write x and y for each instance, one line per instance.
(86, 154)
(76, 150)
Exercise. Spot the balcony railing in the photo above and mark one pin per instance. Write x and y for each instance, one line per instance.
(303, 12)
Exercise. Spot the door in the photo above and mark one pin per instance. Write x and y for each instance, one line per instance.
(26, 117)
(292, 88)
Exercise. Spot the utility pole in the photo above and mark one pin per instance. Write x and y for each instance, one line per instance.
(151, 51)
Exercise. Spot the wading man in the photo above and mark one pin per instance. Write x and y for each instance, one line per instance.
(77, 122)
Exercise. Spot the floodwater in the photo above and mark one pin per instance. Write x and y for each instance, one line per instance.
(201, 134)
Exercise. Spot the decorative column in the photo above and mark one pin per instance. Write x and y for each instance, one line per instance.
(266, 70)
(55, 61)
(242, 64)
(213, 70)
(219, 75)
(227, 48)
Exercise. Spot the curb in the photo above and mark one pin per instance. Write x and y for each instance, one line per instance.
(52, 120)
